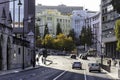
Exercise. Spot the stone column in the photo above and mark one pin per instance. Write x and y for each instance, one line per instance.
(4, 51)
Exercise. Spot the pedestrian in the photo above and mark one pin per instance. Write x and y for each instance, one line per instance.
(109, 63)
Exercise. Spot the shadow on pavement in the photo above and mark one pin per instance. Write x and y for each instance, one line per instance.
(46, 73)
(98, 72)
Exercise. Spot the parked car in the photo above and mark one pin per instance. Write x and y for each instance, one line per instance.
(94, 67)
(73, 56)
(84, 57)
(77, 65)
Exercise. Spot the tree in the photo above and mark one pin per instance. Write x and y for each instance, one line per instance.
(83, 36)
(37, 32)
(116, 5)
(89, 36)
(48, 41)
(68, 44)
(72, 34)
(46, 30)
(63, 42)
(86, 36)
(39, 42)
(59, 30)
(117, 33)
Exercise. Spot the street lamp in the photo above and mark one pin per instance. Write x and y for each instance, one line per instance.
(19, 5)
(23, 36)
(28, 20)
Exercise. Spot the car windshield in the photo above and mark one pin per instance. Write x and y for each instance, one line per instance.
(76, 62)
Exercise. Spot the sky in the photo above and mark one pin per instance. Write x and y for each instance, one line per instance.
(93, 5)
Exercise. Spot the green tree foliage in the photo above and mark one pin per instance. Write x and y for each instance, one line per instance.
(61, 42)
(69, 44)
(46, 30)
(48, 41)
(39, 42)
(116, 5)
(83, 36)
(117, 33)
(86, 36)
(72, 34)
(59, 30)
(89, 36)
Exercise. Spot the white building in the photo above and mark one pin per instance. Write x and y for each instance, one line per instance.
(78, 17)
(94, 21)
(52, 18)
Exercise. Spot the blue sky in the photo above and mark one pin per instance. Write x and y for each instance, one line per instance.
(93, 5)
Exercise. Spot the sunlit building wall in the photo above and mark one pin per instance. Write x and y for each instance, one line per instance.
(52, 18)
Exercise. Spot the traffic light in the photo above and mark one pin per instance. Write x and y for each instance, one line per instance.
(116, 5)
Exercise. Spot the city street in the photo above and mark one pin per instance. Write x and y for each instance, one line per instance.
(60, 69)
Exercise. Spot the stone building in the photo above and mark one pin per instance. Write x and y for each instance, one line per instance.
(65, 10)
(11, 50)
(109, 16)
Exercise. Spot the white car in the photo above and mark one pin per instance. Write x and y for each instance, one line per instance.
(77, 65)
(94, 67)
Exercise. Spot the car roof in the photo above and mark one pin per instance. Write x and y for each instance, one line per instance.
(77, 62)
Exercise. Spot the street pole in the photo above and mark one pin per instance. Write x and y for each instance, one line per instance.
(34, 61)
(23, 47)
(13, 14)
(19, 5)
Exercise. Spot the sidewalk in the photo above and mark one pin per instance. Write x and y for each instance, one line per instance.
(114, 69)
(4, 72)
(38, 65)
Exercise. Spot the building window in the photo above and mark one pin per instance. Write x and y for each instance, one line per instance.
(57, 20)
(109, 8)
(49, 18)
(60, 20)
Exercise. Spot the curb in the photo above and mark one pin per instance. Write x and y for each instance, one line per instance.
(17, 71)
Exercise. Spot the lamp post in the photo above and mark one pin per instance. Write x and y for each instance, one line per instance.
(19, 5)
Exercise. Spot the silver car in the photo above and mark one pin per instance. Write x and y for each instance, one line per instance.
(94, 67)
(77, 65)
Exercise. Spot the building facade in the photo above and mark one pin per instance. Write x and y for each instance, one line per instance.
(96, 29)
(52, 18)
(77, 21)
(109, 16)
(4, 13)
(65, 10)
(11, 50)
(23, 15)
(93, 20)
(11, 47)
